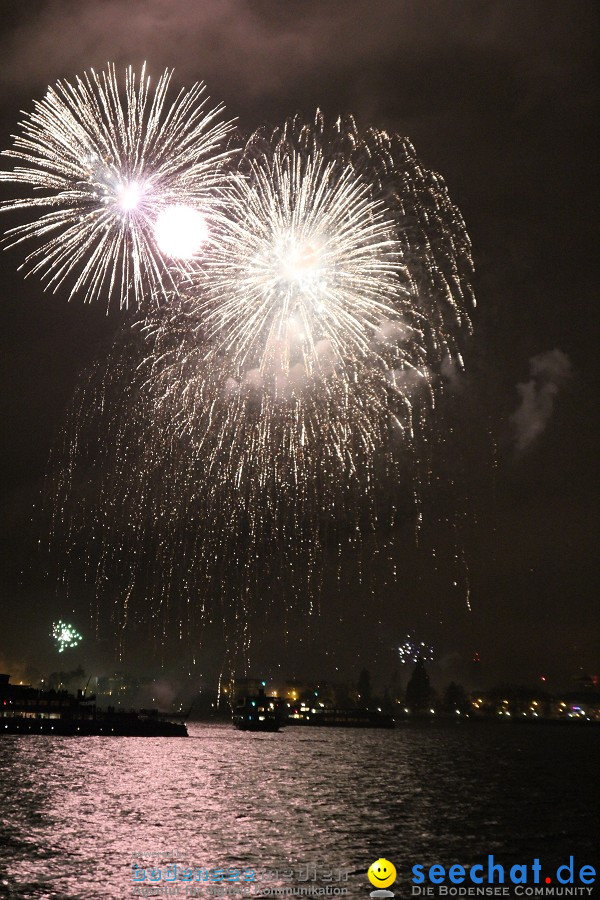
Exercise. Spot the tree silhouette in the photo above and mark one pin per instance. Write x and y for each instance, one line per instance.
(418, 689)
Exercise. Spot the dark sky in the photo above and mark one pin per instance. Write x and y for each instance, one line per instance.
(500, 98)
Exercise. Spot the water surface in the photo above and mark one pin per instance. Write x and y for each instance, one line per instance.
(74, 810)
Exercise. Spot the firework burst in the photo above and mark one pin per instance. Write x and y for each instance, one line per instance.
(412, 650)
(279, 405)
(126, 186)
(306, 275)
(298, 352)
(65, 636)
(433, 242)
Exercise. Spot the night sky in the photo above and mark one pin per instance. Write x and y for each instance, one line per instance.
(500, 99)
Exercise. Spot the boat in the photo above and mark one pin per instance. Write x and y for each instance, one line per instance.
(27, 710)
(257, 712)
(323, 716)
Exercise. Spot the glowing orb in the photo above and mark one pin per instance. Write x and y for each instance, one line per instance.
(129, 195)
(180, 231)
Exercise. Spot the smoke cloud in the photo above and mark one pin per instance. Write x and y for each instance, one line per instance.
(257, 50)
(548, 372)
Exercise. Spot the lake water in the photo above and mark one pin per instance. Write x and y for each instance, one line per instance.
(74, 810)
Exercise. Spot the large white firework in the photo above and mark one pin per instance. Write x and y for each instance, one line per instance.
(280, 403)
(303, 300)
(434, 244)
(126, 185)
(306, 276)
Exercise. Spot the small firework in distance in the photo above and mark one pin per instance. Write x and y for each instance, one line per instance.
(411, 650)
(65, 636)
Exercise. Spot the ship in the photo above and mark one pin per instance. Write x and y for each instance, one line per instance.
(28, 710)
(257, 712)
(260, 712)
(327, 716)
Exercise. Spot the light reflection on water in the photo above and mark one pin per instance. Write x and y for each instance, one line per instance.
(73, 810)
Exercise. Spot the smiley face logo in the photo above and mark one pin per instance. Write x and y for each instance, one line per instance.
(382, 873)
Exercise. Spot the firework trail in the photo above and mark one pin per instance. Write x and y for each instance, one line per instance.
(280, 404)
(126, 185)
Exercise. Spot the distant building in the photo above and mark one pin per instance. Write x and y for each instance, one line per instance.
(517, 703)
(122, 689)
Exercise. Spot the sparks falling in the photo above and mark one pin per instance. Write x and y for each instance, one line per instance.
(279, 404)
(109, 167)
